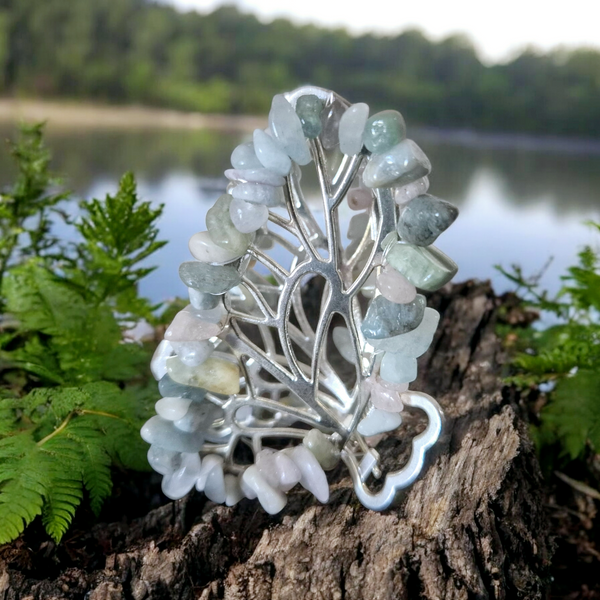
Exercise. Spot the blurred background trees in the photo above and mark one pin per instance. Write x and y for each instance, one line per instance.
(136, 51)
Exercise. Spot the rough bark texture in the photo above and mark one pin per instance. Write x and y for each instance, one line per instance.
(472, 527)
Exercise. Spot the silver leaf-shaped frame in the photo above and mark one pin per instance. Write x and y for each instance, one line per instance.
(288, 382)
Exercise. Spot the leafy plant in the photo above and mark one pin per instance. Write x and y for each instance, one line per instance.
(59, 442)
(118, 234)
(566, 356)
(25, 207)
(73, 394)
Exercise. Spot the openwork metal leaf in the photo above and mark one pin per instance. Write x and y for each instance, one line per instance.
(289, 336)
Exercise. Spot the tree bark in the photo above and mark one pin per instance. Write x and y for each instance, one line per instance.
(472, 527)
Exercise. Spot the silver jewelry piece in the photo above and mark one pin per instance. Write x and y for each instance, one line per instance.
(293, 413)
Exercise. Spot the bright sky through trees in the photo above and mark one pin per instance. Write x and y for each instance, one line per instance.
(497, 29)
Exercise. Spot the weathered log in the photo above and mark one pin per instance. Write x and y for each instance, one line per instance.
(472, 527)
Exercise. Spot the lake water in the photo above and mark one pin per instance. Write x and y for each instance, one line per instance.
(517, 205)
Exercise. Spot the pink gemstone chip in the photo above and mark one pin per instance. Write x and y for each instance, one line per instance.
(186, 327)
(359, 198)
(395, 287)
(384, 397)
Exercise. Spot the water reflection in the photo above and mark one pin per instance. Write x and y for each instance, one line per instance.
(516, 206)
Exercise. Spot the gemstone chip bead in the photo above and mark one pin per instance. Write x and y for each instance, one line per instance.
(308, 109)
(427, 268)
(383, 131)
(399, 166)
(352, 125)
(424, 218)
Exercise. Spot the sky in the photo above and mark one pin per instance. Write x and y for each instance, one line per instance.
(498, 29)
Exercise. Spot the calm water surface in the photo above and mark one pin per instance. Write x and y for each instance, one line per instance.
(517, 206)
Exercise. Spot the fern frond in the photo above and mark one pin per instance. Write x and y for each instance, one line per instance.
(59, 401)
(125, 446)
(62, 456)
(61, 502)
(558, 350)
(108, 397)
(96, 462)
(573, 416)
(59, 442)
(7, 420)
(48, 476)
(25, 484)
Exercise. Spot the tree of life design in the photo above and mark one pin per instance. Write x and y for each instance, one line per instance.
(300, 341)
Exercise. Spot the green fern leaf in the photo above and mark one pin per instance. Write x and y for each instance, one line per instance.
(61, 502)
(60, 401)
(63, 460)
(24, 485)
(7, 420)
(96, 461)
(67, 310)
(126, 447)
(109, 398)
(574, 413)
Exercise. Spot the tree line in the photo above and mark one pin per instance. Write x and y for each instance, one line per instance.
(136, 51)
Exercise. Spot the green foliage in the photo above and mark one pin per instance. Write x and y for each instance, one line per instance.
(566, 355)
(118, 234)
(26, 205)
(62, 442)
(73, 395)
(227, 61)
(573, 416)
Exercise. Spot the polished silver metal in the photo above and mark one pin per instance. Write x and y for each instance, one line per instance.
(286, 372)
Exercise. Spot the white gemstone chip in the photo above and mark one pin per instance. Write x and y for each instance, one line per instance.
(271, 499)
(398, 368)
(244, 157)
(278, 469)
(287, 128)
(181, 481)
(172, 409)
(247, 216)
(263, 176)
(233, 491)
(247, 490)
(352, 126)
(158, 364)
(162, 460)
(313, 477)
(193, 354)
(258, 194)
(379, 421)
(214, 488)
(211, 480)
(163, 434)
(270, 153)
(202, 248)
